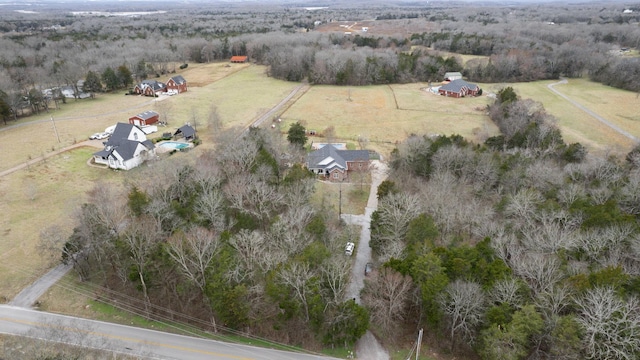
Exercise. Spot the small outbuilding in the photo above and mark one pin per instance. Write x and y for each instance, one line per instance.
(450, 76)
(146, 118)
(187, 132)
(239, 59)
(459, 88)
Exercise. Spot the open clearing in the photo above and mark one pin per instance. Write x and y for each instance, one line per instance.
(47, 193)
(617, 106)
(384, 115)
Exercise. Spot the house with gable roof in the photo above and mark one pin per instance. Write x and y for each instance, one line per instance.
(334, 164)
(126, 149)
(459, 88)
(146, 118)
(177, 84)
(150, 88)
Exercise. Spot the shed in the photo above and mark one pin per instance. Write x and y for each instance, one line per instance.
(185, 131)
(450, 76)
(148, 117)
(239, 59)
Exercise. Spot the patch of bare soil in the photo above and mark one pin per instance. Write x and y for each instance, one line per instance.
(378, 27)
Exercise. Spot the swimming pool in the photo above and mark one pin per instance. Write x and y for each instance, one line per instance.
(174, 145)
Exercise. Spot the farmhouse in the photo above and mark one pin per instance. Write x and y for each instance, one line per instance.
(150, 88)
(186, 131)
(459, 88)
(127, 148)
(450, 76)
(177, 84)
(334, 164)
(146, 118)
(239, 59)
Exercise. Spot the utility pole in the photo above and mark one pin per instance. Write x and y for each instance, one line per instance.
(340, 203)
(419, 342)
(55, 129)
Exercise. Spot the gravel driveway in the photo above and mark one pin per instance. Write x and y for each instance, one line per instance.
(368, 347)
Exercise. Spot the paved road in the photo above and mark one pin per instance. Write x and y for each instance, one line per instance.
(29, 295)
(591, 113)
(367, 347)
(132, 341)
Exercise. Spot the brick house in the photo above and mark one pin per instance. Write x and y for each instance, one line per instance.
(177, 84)
(459, 88)
(335, 165)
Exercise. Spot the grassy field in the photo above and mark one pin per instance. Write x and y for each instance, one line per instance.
(388, 114)
(617, 106)
(59, 185)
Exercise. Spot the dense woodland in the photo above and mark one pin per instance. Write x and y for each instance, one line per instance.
(523, 247)
(49, 49)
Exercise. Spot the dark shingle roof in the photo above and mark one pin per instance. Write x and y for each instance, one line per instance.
(457, 85)
(178, 79)
(119, 142)
(319, 159)
(186, 131)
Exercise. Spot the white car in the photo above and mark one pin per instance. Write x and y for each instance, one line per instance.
(99, 136)
(348, 249)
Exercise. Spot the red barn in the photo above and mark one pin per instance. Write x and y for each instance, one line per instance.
(239, 59)
(148, 117)
(177, 84)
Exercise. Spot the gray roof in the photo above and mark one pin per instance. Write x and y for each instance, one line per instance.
(186, 131)
(319, 159)
(119, 142)
(147, 115)
(457, 85)
(179, 79)
(155, 85)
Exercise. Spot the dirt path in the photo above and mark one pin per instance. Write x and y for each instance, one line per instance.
(92, 143)
(591, 113)
(368, 347)
(270, 114)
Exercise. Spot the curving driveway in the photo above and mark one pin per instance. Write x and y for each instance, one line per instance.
(589, 112)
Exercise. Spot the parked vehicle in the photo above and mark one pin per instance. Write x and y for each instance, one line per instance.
(368, 268)
(348, 249)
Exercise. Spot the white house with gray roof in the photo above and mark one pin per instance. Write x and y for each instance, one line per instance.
(126, 149)
(334, 164)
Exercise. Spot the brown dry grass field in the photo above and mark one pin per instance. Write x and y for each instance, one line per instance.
(47, 193)
(617, 106)
(388, 114)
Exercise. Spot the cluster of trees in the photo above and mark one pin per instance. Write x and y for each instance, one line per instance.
(232, 238)
(522, 247)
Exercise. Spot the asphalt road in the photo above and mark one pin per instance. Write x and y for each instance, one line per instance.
(33, 292)
(131, 341)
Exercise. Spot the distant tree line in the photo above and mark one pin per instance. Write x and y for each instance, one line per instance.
(54, 50)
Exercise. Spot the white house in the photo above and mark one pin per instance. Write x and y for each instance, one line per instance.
(127, 148)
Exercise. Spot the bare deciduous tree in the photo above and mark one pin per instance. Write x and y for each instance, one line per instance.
(463, 304)
(193, 252)
(387, 294)
(610, 325)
